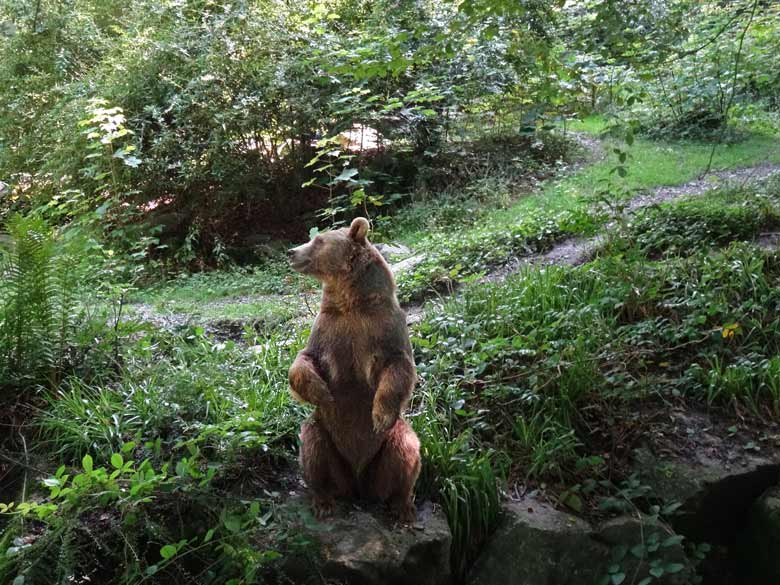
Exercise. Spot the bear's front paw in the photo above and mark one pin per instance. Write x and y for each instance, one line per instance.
(383, 419)
(320, 395)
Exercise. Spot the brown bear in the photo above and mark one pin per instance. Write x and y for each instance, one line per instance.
(358, 371)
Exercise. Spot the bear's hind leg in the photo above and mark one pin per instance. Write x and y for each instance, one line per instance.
(395, 469)
(324, 469)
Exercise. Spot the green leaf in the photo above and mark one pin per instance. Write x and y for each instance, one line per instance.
(573, 501)
(618, 578)
(168, 551)
(345, 175)
(657, 572)
(86, 463)
(19, 580)
(117, 461)
(209, 535)
(672, 541)
(232, 523)
(619, 553)
(673, 568)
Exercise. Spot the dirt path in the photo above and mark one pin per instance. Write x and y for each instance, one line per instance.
(578, 250)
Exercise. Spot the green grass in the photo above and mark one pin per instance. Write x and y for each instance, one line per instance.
(515, 363)
(593, 124)
(651, 164)
(267, 312)
(272, 278)
(455, 229)
(178, 389)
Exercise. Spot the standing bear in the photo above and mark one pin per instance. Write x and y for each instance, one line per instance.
(358, 371)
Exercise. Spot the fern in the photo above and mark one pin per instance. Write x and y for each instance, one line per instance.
(36, 302)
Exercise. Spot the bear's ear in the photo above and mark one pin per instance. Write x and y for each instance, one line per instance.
(359, 229)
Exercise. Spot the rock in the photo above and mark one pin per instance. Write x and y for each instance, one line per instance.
(390, 250)
(715, 494)
(760, 553)
(361, 548)
(536, 545)
(638, 545)
(407, 264)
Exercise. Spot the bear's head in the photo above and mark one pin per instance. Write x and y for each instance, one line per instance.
(335, 254)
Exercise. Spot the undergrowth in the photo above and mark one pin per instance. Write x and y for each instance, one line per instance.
(714, 219)
(521, 383)
(452, 258)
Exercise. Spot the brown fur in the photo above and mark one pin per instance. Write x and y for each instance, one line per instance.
(358, 371)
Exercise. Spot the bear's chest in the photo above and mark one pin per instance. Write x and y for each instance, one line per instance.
(350, 353)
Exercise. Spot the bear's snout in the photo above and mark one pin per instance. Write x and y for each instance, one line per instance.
(299, 259)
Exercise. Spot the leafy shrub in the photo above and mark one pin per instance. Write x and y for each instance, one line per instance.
(120, 524)
(222, 106)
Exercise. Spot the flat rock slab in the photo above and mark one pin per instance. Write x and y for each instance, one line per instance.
(361, 548)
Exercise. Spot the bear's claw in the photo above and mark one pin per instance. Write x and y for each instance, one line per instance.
(323, 508)
(382, 420)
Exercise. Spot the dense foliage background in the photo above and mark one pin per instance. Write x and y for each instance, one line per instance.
(156, 157)
(190, 128)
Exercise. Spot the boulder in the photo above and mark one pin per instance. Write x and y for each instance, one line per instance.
(390, 250)
(536, 544)
(362, 548)
(760, 553)
(407, 264)
(715, 494)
